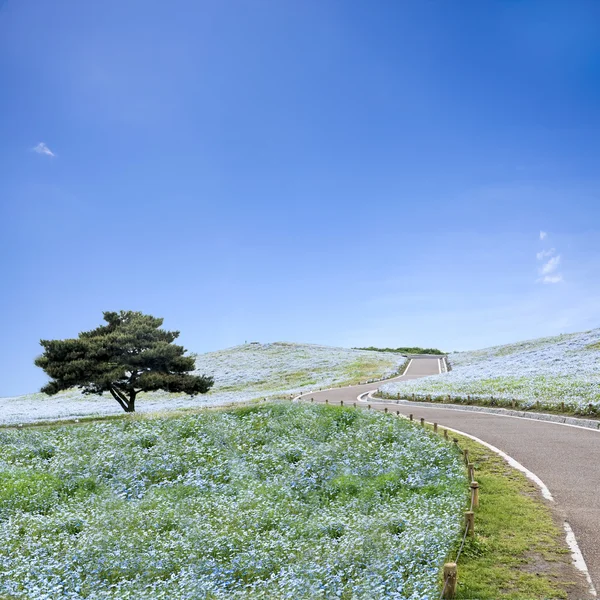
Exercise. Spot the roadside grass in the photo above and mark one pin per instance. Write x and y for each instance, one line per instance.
(518, 552)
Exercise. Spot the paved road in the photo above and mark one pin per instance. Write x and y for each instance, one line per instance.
(567, 459)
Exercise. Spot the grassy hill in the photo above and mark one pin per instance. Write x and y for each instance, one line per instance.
(542, 373)
(241, 373)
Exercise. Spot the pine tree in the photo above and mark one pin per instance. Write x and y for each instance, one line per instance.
(129, 355)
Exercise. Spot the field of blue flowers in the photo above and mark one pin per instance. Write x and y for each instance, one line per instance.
(241, 373)
(280, 500)
(544, 373)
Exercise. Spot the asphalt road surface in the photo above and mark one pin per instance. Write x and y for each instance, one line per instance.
(566, 459)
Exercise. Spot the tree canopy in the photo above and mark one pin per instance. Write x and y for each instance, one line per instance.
(128, 355)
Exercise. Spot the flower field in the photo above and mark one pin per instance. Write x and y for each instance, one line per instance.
(283, 500)
(241, 373)
(544, 373)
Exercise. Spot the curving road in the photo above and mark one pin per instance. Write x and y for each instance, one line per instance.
(566, 458)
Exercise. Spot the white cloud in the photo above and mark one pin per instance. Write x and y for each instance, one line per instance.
(543, 235)
(41, 148)
(551, 278)
(551, 265)
(545, 253)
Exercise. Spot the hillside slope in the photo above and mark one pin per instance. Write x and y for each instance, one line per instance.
(241, 373)
(548, 371)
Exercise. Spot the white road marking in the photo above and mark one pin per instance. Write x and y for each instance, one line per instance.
(578, 559)
(427, 405)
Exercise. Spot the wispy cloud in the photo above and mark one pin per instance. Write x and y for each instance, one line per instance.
(551, 265)
(545, 253)
(551, 278)
(548, 271)
(41, 148)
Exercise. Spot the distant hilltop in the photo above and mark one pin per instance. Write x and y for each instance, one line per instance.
(405, 350)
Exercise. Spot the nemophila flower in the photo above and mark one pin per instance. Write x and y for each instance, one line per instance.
(241, 373)
(538, 373)
(286, 501)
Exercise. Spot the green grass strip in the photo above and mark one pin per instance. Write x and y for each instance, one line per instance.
(519, 551)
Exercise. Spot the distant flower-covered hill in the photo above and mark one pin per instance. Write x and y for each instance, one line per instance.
(241, 373)
(542, 372)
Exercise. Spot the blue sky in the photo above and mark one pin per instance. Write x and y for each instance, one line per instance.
(338, 172)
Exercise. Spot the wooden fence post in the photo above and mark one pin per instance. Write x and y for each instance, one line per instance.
(466, 453)
(326, 400)
(354, 404)
(410, 416)
(435, 428)
(341, 403)
(475, 493)
(450, 577)
(446, 433)
(470, 522)
(385, 410)
(471, 467)
(422, 422)
(369, 406)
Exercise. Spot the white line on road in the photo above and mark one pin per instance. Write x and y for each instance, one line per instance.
(578, 559)
(429, 405)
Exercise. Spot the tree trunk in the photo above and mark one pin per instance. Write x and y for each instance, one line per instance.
(127, 404)
(131, 402)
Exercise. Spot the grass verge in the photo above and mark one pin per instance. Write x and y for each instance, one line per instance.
(519, 551)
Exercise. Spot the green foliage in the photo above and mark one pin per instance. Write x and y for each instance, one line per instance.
(405, 350)
(129, 355)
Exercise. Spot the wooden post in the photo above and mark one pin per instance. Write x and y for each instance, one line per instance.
(513, 403)
(562, 406)
(385, 409)
(422, 422)
(471, 468)
(470, 522)
(312, 399)
(398, 396)
(341, 403)
(466, 453)
(446, 433)
(326, 400)
(475, 493)
(450, 577)
(449, 399)
(410, 416)
(468, 399)
(369, 406)
(413, 397)
(435, 428)
(354, 404)
(397, 413)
